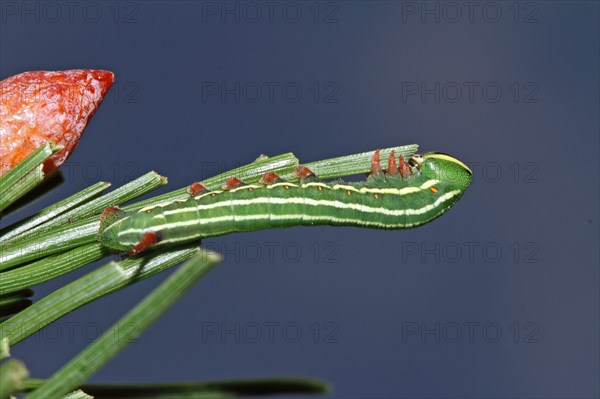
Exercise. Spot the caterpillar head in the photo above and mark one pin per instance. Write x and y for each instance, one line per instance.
(444, 167)
(127, 232)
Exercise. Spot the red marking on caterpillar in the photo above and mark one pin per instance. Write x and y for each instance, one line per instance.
(149, 239)
(232, 183)
(196, 189)
(392, 168)
(303, 173)
(375, 166)
(404, 168)
(269, 178)
(109, 211)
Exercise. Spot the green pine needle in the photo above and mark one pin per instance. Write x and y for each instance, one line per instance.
(16, 182)
(21, 187)
(26, 249)
(14, 302)
(78, 394)
(355, 164)
(200, 390)
(129, 191)
(54, 210)
(50, 267)
(97, 354)
(12, 376)
(105, 280)
(71, 228)
(284, 163)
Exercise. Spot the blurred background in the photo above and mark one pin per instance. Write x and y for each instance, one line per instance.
(498, 298)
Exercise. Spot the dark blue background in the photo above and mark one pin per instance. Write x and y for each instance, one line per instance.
(535, 195)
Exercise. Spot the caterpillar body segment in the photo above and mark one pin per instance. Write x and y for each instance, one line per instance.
(410, 194)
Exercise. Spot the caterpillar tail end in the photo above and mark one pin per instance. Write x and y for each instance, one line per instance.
(110, 216)
(106, 234)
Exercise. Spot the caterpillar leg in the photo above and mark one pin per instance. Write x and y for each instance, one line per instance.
(150, 238)
(404, 168)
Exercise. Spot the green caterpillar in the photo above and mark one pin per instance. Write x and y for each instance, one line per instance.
(408, 195)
